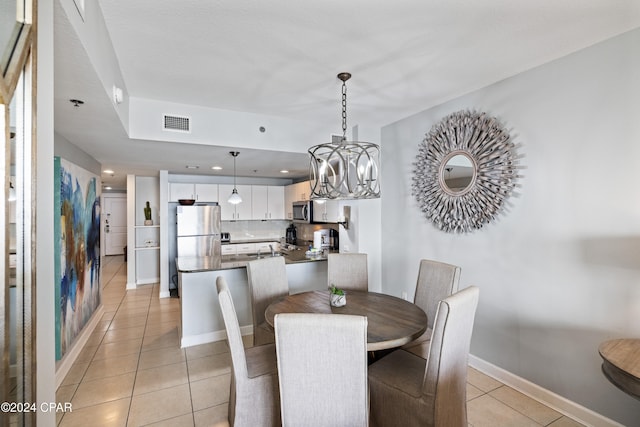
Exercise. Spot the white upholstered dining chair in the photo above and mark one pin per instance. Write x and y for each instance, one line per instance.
(348, 271)
(436, 281)
(407, 390)
(322, 369)
(254, 399)
(267, 281)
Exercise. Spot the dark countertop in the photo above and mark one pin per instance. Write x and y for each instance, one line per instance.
(196, 264)
(236, 241)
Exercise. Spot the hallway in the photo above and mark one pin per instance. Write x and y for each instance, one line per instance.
(132, 370)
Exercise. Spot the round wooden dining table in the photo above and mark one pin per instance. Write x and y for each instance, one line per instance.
(391, 321)
(621, 364)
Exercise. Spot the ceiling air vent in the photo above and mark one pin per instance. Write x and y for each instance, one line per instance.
(176, 123)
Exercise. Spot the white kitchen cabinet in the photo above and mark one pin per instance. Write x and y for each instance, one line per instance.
(206, 192)
(267, 202)
(326, 211)
(259, 202)
(303, 190)
(289, 198)
(275, 202)
(298, 192)
(332, 211)
(181, 190)
(245, 248)
(198, 192)
(249, 248)
(228, 249)
(241, 211)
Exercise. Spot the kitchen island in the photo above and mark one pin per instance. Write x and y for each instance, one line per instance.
(201, 319)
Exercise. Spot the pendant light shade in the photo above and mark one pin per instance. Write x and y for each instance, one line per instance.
(344, 169)
(234, 198)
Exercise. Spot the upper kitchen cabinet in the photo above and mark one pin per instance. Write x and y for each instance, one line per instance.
(179, 190)
(207, 192)
(241, 211)
(299, 192)
(199, 192)
(267, 202)
(326, 211)
(295, 193)
(289, 198)
(276, 202)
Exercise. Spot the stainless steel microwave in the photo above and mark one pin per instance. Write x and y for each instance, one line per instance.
(303, 211)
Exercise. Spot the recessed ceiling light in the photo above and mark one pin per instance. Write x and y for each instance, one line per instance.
(107, 188)
(193, 167)
(107, 171)
(216, 168)
(284, 171)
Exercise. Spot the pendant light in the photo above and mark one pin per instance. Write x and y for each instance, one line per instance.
(344, 169)
(234, 198)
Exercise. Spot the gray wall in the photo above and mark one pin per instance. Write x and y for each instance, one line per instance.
(560, 272)
(66, 150)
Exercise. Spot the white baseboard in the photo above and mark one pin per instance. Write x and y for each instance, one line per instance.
(165, 294)
(142, 282)
(563, 405)
(64, 365)
(192, 340)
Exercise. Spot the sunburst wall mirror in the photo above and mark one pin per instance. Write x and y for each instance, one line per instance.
(465, 170)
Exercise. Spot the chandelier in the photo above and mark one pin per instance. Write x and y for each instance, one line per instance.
(344, 169)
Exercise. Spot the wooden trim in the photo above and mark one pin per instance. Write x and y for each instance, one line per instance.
(23, 47)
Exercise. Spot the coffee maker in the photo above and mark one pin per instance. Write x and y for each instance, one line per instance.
(334, 240)
(291, 236)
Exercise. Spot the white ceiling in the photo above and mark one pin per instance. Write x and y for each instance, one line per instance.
(281, 58)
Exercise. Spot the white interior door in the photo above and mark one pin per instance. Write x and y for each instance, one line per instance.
(114, 224)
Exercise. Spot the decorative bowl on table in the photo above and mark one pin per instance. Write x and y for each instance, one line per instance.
(186, 202)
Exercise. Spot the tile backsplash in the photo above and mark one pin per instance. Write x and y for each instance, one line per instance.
(304, 232)
(243, 230)
(271, 230)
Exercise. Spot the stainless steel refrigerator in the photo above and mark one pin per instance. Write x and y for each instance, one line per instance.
(198, 231)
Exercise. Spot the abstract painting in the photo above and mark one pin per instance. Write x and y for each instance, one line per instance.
(77, 247)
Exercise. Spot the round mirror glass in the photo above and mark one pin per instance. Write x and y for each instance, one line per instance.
(458, 173)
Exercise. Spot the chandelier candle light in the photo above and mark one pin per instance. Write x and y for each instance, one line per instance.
(342, 169)
(234, 198)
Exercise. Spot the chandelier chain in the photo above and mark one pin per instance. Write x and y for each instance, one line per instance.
(344, 111)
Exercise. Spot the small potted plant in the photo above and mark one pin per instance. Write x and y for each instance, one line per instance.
(338, 297)
(147, 215)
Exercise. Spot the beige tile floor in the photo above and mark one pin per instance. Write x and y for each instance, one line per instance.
(132, 372)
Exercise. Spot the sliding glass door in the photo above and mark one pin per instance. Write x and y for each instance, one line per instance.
(17, 209)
